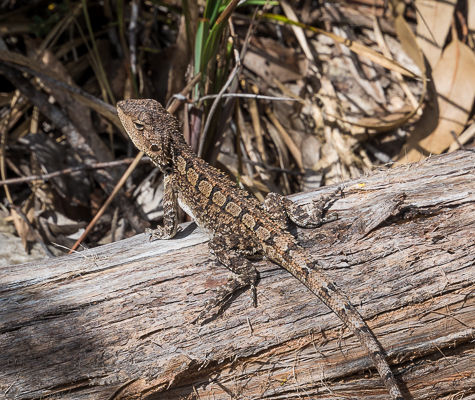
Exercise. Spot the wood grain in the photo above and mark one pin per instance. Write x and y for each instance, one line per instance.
(115, 321)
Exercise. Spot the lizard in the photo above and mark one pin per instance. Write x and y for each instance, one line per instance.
(239, 226)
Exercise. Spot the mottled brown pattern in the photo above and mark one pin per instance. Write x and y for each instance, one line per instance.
(219, 198)
(281, 243)
(263, 233)
(248, 220)
(205, 187)
(233, 209)
(181, 165)
(256, 230)
(192, 176)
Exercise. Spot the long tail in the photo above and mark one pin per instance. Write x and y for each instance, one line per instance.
(297, 264)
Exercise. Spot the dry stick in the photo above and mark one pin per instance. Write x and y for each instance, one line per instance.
(173, 107)
(21, 63)
(134, 8)
(33, 230)
(227, 12)
(15, 210)
(111, 197)
(294, 150)
(232, 75)
(3, 142)
(228, 105)
(66, 171)
(246, 96)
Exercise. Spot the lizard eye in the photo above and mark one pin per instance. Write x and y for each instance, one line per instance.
(154, 147)
(138, 125)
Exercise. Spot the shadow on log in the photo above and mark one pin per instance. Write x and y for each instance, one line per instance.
(114, 322)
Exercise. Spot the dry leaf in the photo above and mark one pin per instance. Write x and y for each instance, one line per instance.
(433, 23)
(398, 118)
(454, 81)
(298, 32)
(270, 60)
(409, 42)
(471, 17)
(21, 227)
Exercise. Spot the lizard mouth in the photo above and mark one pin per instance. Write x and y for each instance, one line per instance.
(120, 110)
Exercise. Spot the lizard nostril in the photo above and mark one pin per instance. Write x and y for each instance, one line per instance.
(154, 147)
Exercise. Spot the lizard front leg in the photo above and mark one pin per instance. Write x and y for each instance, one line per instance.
(170, 212)
(232, 255)
(305, 216)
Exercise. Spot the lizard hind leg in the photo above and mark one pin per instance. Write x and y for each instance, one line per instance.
(305, 216)
(233, 255)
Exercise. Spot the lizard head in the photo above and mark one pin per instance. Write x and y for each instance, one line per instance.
(151, 128)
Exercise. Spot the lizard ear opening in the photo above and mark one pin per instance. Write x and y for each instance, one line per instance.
(138, 125)
(154, 147)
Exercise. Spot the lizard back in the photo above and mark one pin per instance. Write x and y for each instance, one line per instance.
(224, 210)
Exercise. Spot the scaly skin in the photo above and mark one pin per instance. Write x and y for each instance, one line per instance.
(238, 225)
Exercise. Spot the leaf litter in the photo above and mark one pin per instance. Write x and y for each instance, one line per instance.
(368, 85)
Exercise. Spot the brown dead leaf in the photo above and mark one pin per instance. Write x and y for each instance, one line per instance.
(22, 228)
(355, 46)
(270, 60)
(409, 42)
(433, 23)
(182, 49)
(298, 31)
(293, 148)
(38, 69)
(382, 122)
(398, 118)
(471, 17)
(454, 82)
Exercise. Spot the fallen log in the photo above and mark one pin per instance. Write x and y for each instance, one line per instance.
(115, 322)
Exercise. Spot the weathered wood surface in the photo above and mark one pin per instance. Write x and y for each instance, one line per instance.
(115, 321)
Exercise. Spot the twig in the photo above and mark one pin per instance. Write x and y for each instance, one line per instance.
(246, 96)
(229, 103)
(269, 167)
(294, 150)
(19, 62)
(111, 197)
(181, 97)
(55, 114)
(134, 8)
(171, 109)
(235, 72)
(33, 230)
(3, 142)
(66, 171)
(231, 77)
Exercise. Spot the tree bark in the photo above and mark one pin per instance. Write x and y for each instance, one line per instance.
(115, 322)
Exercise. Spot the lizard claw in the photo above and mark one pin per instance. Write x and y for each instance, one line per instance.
(159, 233)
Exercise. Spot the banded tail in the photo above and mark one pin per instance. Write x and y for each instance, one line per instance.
(296, 262)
